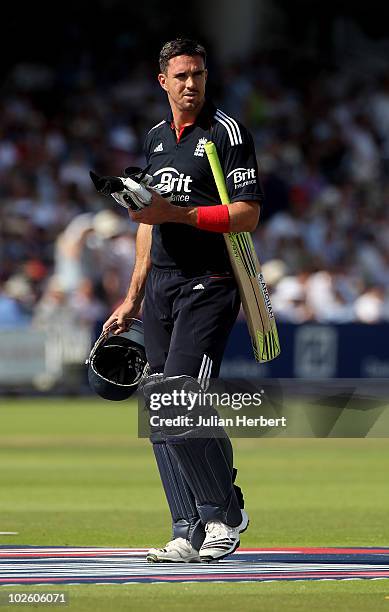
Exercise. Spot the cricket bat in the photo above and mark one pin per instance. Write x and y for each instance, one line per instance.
(252, 287)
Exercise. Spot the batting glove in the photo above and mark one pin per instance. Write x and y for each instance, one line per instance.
(131, 191)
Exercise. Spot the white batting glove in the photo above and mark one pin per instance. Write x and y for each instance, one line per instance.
(132, 191)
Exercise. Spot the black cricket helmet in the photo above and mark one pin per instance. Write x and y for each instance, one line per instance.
(117, 364)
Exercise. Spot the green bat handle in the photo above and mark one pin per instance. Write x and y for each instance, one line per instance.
(217, 171)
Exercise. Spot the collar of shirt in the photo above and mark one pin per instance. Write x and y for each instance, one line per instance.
(203, 119)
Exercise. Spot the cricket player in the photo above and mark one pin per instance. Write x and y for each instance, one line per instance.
(190, 298)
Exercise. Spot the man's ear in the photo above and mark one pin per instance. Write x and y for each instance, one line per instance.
(206, 75)
(162, 80)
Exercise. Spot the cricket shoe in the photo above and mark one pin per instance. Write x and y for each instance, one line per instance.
(221, 539)
(176, 551)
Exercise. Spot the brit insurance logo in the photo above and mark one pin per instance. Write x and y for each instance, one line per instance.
(243, 177)
(176, 182)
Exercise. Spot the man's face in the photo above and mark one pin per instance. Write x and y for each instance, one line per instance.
(184, 82)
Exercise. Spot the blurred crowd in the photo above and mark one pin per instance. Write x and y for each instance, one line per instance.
(66, 254)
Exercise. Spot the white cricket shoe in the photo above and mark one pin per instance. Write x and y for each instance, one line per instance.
(176, 551)
(221, 540)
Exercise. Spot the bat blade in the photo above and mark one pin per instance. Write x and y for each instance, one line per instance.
(252, 287)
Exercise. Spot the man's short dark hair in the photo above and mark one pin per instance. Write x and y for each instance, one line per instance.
(179, 46)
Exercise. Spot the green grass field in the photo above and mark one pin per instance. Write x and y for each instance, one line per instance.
(73, 472)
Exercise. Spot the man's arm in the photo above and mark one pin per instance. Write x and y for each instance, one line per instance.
(244, 215)
(132, 302)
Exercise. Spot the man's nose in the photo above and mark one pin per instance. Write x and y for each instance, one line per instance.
(190, 83)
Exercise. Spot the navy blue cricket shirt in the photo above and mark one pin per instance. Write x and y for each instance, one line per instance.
(182, 164)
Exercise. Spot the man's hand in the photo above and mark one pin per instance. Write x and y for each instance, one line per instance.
(159, 211)
(120, 318)
(162, 211)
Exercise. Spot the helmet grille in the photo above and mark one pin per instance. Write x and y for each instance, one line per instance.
(121, 365)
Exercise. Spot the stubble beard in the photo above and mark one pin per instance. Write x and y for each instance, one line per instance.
(187, 106)
(191, 105)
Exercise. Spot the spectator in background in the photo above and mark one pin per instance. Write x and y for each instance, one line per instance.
(370, 306)
(16, 300)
